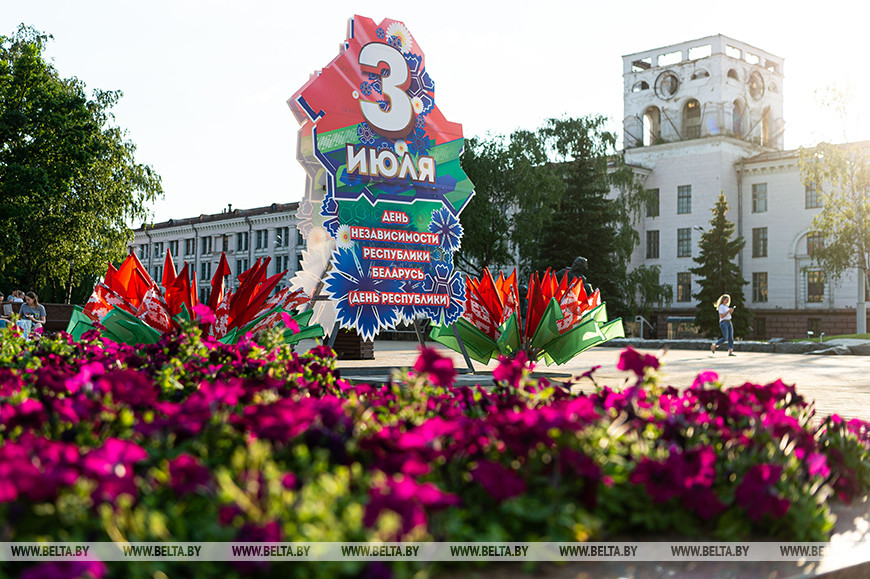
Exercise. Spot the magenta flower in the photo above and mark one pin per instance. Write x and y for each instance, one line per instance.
(817, 465)
(112, 467)
(407, 498)
(290, 322)
(705, 377)
(633, 361)
(28, 413)
(756, 492)
(661, 483)
(440, 369)
(17, 471)
(498, 482)
(187, 475)
(510, 370)
(202, 314)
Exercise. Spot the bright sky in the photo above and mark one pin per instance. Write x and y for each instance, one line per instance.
(206, 82)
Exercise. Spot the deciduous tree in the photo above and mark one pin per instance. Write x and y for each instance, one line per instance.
(69, 181)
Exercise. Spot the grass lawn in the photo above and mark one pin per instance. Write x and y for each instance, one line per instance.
(827, 338)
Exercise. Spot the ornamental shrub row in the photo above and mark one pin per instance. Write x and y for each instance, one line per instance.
(193, 440)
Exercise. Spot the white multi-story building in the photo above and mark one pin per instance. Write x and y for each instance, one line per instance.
(245, 235)
(704, 117)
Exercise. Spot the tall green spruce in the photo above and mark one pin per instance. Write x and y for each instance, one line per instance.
(718, 274)
(587, 221)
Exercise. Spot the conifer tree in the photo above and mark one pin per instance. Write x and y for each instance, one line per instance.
(718, 274)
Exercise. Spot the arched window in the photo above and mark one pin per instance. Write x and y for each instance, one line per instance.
(733, 74)
(652, 126)
(701, 73)
(737, 119)
(639, 86)
(692, 119)
(766, 127)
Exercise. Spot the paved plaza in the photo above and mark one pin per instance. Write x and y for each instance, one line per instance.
(837, 384)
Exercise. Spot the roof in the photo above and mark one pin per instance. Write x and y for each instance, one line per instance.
(224, 215)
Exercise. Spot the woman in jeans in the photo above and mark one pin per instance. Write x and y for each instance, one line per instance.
(722, 305)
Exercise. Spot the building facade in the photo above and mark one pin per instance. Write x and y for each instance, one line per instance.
(704, 117)
(245, 235)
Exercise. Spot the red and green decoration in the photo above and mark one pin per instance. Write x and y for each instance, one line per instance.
(385, 185)
(128, 305)
(560, 319)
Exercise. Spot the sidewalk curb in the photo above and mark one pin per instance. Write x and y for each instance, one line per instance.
(743, 346)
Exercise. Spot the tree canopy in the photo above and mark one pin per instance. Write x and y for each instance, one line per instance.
(840, 175)
(718, 273)
(546, 197)
(515, 185)
(69, 181)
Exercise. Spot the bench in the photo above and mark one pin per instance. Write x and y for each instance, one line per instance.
(57, 317)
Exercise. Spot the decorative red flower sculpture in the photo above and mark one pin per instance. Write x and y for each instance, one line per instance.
(130, 307)
(560, 320)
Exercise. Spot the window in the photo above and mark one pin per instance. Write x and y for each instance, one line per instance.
(242, 241)
(225, 242)
(652, 127)
(684, 242)
(282, 263)
(262, 239)
(282, 236)
(299, 241)
(143, 251)
(759, 197)
(759, 286)
(204, 294)
(158, 249)
(737, 119)
(173, 247)
(684, 287)
(205, 246)
(158, 273)
(684, 199)
(652, 204)
(205, 271)
(190, 246)
(811, 195)
(241, 266)
(652, 244)
(814, 242)
(759, 242)
(692, 120)
(815, 286)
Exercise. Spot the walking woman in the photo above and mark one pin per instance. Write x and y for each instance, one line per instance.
(723, 306)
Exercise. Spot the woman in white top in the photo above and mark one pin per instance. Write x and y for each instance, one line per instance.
(722, 305)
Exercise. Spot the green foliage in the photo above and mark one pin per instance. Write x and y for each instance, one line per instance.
(588, 220)
(69, 182)
(717, 273)
(514, 187)
(841, 176)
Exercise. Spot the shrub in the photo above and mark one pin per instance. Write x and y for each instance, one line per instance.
(189, 439)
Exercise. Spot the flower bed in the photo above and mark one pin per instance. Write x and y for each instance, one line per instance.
(190, 439)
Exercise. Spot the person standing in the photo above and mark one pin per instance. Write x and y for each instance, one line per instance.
(723, 306)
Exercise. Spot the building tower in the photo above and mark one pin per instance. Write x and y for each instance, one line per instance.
(713, 86)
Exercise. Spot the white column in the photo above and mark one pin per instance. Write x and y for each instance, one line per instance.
(861, 307)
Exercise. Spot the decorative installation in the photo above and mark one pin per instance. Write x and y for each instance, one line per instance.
(128, 306)
(560, 319)
(384, 186)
